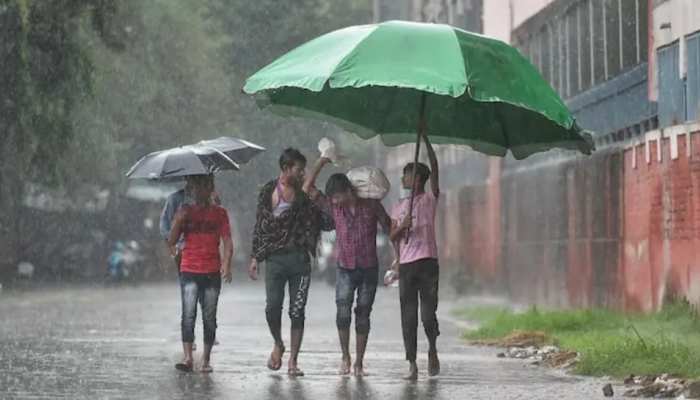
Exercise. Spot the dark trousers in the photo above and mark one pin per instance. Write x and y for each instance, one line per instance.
(203, 289)
(348, 281)
(418, 279)
(291, 269)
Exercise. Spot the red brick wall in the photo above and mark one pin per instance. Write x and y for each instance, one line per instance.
(662, 223)
(606, 230)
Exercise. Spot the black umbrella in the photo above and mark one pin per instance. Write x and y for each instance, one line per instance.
(239, 150)
(205, 157)
(181, 161)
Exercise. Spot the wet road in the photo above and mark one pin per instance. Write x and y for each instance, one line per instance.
(121, 343)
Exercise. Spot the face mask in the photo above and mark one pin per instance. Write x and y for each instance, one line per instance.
(404, 193)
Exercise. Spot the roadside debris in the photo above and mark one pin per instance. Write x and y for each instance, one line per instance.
(531, 345)
(661, 387)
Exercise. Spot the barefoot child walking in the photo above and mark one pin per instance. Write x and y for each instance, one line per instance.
(357, 274)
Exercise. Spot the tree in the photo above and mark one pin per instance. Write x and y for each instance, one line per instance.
(44, 74)
(255, 34)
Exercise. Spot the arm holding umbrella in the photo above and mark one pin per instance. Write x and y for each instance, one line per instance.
(434, 173)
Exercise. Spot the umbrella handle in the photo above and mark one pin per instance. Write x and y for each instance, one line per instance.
(419, 132)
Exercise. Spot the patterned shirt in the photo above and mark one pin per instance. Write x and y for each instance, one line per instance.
(298, 227)
(356, 233)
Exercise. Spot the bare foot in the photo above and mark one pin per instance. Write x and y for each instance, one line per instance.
(275, 361)
(359, 370)
(412, 372)
(293, 369)
(344, 366)
(433, 363)
(206, 369)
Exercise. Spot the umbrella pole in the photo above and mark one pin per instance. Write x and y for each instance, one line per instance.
(419, 132)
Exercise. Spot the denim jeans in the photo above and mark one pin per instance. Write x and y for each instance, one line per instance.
(291, 268)
(203, 289)
(348, 281)
(418, 279)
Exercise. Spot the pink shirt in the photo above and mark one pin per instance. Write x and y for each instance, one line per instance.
(421, 238)
(356, 234)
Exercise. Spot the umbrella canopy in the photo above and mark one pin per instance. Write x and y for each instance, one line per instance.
(384, 79)
(239, 150)
(181, 161)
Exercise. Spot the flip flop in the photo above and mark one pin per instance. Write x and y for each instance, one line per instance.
(184, 367)
(295, 372)
(271, 364)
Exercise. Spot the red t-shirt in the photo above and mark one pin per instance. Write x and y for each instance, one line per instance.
(203, 228)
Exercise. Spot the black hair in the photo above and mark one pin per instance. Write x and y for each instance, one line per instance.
(201, 179)
(422, 171)
(338, 183)
(291, 156)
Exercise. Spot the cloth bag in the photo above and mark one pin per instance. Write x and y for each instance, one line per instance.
(369, 182)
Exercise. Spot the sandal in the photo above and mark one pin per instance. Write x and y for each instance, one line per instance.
(184, 367)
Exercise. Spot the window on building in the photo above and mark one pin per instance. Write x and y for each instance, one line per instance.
(612, 35)
(564, 57)
(546, 53)
(642, 27)
(531, 50)
(574, 45)
(598, 42)
(594, 40)
(585, 40)
(554, 45)
(671, 87)
(537, 41)
(693, 79)
(630, 33)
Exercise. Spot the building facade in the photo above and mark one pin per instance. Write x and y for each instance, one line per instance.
(618, 229)
(621, 228)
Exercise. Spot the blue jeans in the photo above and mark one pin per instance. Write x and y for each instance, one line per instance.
(203, 289)
(348, 281)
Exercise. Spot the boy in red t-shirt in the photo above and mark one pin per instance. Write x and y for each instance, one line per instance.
(202, 268)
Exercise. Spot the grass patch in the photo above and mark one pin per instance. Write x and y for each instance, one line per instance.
(610, 343)
(480, 313)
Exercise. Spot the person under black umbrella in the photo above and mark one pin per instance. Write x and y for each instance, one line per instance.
(204, 226)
